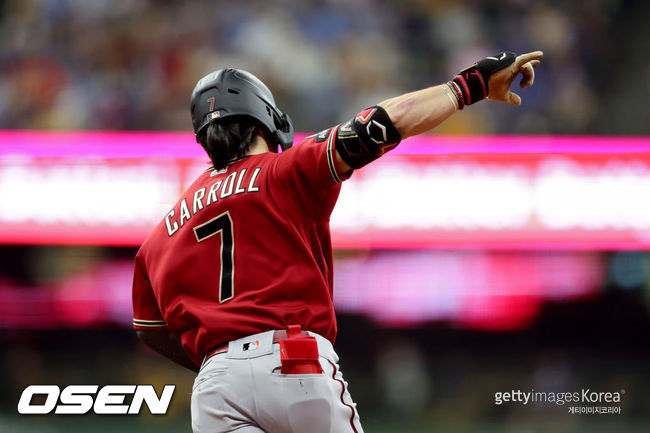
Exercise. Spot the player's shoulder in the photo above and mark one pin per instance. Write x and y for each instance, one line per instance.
(312, 144)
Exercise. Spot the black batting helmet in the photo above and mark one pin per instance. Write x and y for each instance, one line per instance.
(229, 93)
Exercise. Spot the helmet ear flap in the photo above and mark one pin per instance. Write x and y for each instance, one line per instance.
(283, 135)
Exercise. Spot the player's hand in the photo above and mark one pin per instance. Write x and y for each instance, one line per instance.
(500, 82)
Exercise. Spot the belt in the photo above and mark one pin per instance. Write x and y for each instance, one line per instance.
(278, 335)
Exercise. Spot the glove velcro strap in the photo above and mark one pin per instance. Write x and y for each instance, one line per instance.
(472, 85)
(473, 81)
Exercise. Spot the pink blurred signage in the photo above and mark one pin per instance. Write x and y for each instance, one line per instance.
(451, 192)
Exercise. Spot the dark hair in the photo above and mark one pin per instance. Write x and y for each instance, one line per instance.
(228, 140)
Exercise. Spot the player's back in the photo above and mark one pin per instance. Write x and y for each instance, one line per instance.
(246, 249)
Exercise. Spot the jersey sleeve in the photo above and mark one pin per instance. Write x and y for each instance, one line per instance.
(308, 171)
(146, 313)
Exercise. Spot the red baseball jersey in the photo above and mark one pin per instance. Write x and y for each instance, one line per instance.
(246, 249)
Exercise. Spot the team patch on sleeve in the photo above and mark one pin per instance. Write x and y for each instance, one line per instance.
(149, 323)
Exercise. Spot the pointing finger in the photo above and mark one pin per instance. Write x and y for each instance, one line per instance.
(525, 58)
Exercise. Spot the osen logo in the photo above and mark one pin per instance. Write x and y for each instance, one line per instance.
(80, 399)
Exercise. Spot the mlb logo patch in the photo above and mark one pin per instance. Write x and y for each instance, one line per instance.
(251, 345)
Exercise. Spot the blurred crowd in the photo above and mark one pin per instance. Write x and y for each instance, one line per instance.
(104, 64)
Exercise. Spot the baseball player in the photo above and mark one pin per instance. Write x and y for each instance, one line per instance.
(235, 282)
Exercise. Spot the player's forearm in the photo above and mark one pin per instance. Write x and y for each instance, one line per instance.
(168, 345)
(417, 112)
(420, 111)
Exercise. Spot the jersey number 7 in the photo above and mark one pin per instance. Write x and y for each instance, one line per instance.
(221, 224)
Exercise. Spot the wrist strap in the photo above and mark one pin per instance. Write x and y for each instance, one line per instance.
(455, 90)
(472, 82)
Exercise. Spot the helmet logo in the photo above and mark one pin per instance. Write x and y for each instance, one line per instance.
(211, 102)
(214, 115)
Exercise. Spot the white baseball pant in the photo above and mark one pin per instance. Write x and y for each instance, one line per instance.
(243, 390)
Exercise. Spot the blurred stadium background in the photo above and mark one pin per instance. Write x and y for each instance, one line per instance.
(468, 262)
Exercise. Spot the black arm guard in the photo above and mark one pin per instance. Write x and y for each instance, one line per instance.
(366, 137)
(472, 82)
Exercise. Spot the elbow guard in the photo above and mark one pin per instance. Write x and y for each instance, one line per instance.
(366, 137)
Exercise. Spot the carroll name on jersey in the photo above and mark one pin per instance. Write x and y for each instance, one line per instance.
(237, 182)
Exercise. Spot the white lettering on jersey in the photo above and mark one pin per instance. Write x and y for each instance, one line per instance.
(235, 182)
(251, 186)
(228, 185)
(238, 188)
(212, 194)
(171, 227)
(185, 212)
(198, 196)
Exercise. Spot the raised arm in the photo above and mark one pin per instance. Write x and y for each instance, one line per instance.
(417, 112)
